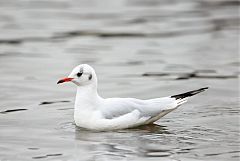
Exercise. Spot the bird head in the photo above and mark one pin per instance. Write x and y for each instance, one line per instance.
(81, 75)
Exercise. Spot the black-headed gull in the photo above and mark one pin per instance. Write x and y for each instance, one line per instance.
(96, 113)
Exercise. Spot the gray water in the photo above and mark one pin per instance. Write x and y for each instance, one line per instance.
(142, 49)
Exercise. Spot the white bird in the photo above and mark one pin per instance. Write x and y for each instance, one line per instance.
(96, 113)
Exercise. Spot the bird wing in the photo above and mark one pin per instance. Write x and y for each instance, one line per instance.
(116, 107)
(153, 108)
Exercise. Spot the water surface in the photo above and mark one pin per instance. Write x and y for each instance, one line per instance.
(142, 49)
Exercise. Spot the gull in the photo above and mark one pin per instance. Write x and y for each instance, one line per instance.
(93, 112)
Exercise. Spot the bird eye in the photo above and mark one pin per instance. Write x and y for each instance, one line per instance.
(79, 74)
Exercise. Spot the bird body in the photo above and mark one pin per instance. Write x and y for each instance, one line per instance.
(96, 113)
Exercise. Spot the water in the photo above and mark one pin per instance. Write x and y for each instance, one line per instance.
(142, 49)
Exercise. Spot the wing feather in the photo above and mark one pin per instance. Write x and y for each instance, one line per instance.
(116, 107)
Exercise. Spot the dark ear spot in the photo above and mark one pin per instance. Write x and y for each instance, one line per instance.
(90, 77)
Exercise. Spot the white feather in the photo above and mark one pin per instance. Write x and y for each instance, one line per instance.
(96, 113)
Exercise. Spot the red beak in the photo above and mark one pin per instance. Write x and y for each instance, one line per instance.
(64, 80)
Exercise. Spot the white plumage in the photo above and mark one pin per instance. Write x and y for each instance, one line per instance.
(96, 113)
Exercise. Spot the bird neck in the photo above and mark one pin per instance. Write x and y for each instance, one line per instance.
(87, 97)
(87, 90)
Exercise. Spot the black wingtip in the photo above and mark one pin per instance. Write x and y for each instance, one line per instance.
(189, 94)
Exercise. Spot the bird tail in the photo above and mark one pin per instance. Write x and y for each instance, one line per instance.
(183, 96)
(179, 99)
